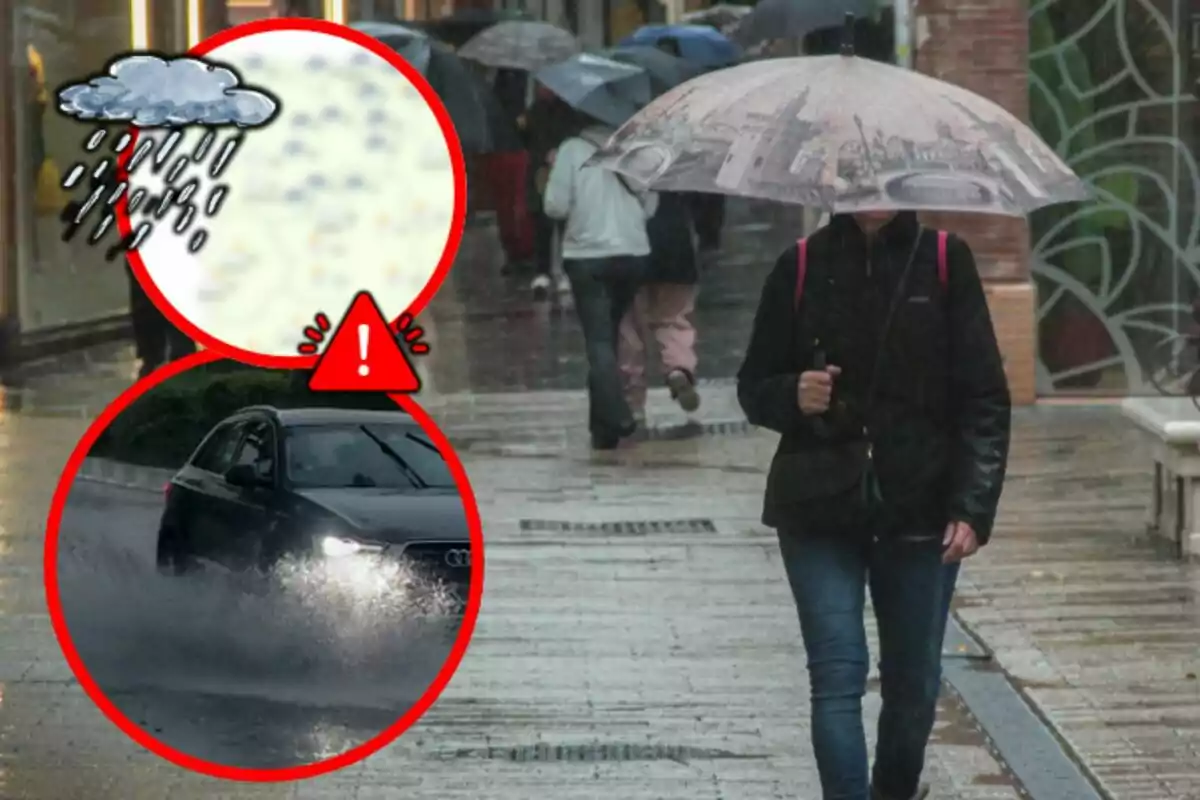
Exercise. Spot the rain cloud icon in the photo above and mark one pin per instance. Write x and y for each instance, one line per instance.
(148, 91)
(151, 91)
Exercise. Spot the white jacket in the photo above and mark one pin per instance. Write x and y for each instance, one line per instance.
(604, 216)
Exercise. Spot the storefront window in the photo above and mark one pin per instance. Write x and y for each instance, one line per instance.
(60, 283)
(1116, 276)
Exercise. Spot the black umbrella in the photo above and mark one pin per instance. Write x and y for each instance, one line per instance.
(478, 117)
(795, 19)
(664, 70)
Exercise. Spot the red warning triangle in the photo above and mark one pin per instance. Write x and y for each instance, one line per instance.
(364, 355)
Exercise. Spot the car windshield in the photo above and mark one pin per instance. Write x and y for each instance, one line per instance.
(373, 455)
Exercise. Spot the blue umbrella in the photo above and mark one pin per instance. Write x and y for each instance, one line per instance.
(601, 88)
(699, 44)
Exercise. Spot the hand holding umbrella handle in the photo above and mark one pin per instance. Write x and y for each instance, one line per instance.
(819, 423)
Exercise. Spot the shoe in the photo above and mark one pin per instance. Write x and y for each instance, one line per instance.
(540, 286)
(683, 390)
(564, 285)
(922, 793)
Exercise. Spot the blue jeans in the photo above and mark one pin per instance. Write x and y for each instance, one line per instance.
(604, 289)
(829, 575)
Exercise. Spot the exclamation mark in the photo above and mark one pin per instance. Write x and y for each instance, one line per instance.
(364, 333)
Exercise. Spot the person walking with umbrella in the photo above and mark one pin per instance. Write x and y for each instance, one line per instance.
(604, 250)
(661, 314)
(545, 125)
(874, 357)
(605, 243)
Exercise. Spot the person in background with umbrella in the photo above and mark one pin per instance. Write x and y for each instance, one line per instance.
(545, 125)
(604, 249)
(661, 315)
(516, 48)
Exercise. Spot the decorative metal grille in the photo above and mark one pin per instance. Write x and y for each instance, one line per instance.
(1116, 276)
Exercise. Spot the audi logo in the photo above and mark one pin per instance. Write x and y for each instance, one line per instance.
(458, 558)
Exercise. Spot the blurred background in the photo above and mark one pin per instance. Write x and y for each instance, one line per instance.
(1083, 294)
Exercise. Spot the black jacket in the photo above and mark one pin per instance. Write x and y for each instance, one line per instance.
(672, 254)
(939, 421)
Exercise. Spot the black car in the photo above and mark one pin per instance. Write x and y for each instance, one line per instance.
(267, 484)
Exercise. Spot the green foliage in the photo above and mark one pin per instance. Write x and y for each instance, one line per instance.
(1060, 104)
(163, 426)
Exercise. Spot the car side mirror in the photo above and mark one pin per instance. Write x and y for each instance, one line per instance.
(243, 475)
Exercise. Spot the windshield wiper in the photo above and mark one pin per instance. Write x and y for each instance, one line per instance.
(427, 445)
(391, 453)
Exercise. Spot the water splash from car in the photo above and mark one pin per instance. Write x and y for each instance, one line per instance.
(343, 632)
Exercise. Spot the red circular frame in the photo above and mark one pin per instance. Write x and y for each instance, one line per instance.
(142, 737)
(457, 165)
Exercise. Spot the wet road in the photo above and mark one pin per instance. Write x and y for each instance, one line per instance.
(218, 672)
(637, 639)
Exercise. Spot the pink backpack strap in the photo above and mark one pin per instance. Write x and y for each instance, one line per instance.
(943, 265)
(801, 270)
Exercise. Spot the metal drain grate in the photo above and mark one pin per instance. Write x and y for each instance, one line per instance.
(599, 751)
(640, 527)
(695, 430)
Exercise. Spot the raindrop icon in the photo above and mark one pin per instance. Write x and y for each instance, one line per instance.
(73, 176)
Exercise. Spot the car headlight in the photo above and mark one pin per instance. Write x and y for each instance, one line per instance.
(338, 546)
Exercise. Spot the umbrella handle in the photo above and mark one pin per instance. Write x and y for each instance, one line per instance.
(819, 423)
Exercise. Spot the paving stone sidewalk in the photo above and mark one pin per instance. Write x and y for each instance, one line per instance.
(659, 665)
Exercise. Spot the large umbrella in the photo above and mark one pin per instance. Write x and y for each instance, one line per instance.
(479, 119)
(461, 26)
(520, 44)
(699, 44)
(601, 88)
(828, 131)
(664, 70)
(794, 19)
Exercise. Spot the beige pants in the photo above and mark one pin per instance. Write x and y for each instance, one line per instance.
(662, 312)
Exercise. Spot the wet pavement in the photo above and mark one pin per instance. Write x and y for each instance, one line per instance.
(220, 670)
(637, 638)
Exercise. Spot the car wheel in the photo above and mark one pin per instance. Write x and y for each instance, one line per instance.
(171, 554)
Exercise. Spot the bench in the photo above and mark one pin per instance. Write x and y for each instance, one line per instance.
(1170, 426)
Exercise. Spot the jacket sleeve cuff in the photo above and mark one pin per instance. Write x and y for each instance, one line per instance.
(982, 524)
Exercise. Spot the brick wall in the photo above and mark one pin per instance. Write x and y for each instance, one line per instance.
(983, 45)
